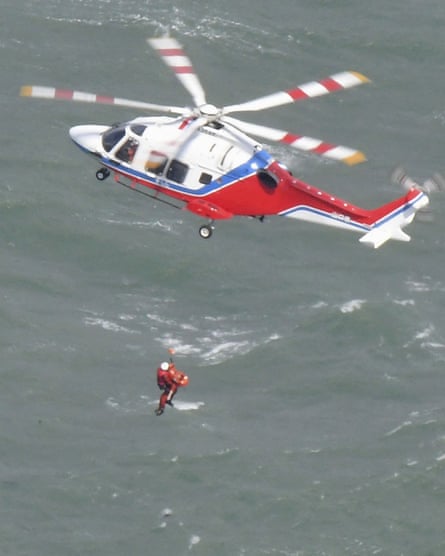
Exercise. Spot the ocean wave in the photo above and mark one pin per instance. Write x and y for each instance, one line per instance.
(76, 20)
(180, 347)
(128, 406)
(142, 224)
(416, 286)
(427, 337)
(425, 285)
(217, 347)
(108, 325)
(425, 418)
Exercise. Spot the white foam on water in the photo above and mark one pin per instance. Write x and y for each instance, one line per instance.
(404, 302)
(141, 224)
(417, 286)
(217, 346)
(194, 539)
(108, 325)
(188, 406)
(219, 352)
(399, 428)
(426, 339)
(425, 333)
(319, 305)
(352, 305)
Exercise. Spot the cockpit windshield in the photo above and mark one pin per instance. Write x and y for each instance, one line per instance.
(112, 136)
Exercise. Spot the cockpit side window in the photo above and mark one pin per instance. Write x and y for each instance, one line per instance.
(138, 129)
(128, 150)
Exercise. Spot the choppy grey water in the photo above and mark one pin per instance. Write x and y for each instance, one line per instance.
(314, 423)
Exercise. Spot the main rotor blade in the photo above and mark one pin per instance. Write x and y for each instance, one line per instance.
(172, 145)
(79, 96)
(174, 56)
(344, 80)
(300, 142)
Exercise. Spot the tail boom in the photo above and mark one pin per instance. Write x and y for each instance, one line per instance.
(378, 225)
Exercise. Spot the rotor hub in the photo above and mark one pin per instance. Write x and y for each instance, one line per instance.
(209, 111)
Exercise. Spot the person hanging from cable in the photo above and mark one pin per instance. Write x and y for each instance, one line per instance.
(169, 379)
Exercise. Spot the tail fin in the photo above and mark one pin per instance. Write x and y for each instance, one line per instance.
(387, 222)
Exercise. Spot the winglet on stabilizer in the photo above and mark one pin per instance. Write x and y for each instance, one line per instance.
(390, 223)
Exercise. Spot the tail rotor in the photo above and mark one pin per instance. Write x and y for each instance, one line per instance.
(435, 184)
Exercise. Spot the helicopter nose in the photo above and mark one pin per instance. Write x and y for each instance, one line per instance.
(88, 137)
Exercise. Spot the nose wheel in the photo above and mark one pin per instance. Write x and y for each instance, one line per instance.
(206, 231)
(102, 174)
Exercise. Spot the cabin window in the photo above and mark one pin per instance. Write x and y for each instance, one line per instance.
(127, 151)
(156, 162)
(177, 171)
(111, 137)
(205, 178)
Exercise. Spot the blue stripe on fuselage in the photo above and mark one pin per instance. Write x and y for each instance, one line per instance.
(261, 159)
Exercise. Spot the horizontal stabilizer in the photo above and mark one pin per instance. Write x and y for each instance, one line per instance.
(378, 236)
(393, 217)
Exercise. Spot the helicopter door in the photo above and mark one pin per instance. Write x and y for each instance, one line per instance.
(225, 162)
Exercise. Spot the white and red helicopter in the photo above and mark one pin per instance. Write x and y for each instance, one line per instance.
(205, 161)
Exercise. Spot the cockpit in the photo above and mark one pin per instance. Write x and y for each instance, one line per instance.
(122, 141)
(125, 150)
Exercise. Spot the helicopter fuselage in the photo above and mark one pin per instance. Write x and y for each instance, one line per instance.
(214, 170)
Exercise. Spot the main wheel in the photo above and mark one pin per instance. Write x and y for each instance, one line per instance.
(205, 231)
(102, 174)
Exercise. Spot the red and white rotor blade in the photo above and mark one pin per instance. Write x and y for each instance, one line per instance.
(80, 96)
(337, 82)
(174, 56)
(301, 142)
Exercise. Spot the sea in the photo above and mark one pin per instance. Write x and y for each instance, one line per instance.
(314, 420)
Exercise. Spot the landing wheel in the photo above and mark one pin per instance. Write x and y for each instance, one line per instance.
(205, 231)
(102, 174)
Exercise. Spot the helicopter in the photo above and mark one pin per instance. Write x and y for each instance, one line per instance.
(210, 163)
